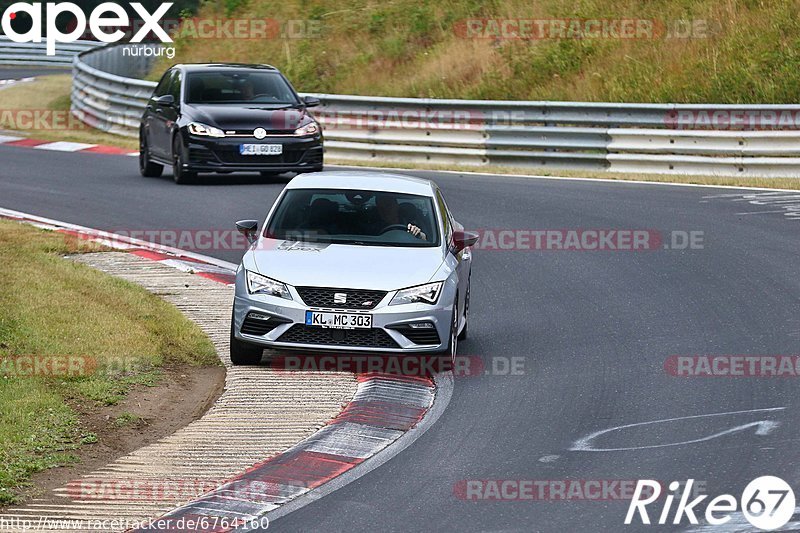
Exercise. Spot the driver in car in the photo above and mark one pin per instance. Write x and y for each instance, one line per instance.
(248, 91)
(389, 215)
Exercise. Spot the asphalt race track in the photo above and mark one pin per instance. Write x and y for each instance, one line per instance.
(17, 72)
(593, 329)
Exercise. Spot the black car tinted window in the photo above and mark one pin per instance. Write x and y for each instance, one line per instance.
(175, 86)
(239, 87)
(164, 84)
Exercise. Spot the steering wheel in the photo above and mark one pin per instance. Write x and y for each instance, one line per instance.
(392, 227)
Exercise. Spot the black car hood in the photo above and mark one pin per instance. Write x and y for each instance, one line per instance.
(248, 118)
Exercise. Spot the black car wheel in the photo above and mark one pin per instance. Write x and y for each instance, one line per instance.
(243, 353)
(147, 168)
(181, 176)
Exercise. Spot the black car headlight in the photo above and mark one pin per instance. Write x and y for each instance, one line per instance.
(309, 129)
(204, 130)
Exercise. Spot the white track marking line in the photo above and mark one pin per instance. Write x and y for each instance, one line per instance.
(764, 428)
(789, 203)
(9, 138)
(759, 212)
(64, 146)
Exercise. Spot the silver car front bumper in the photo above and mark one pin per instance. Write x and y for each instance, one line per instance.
(283, 315)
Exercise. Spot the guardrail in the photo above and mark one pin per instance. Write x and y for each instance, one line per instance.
(35, 54)
(761, 140)
(107, 92)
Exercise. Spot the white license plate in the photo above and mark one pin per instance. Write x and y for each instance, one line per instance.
(338, 320)
(261, 149)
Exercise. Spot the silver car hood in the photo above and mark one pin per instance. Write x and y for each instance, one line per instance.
(384, 268)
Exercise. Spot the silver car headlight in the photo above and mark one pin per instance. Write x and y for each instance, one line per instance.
(309, 129)
(258, 284)
(204, 130)
(428, 294)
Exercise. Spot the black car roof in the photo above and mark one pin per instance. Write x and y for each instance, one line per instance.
(192, 67)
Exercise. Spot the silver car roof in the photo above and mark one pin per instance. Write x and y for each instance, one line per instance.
(363, 181)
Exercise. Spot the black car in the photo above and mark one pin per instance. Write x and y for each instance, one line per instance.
(228, 118)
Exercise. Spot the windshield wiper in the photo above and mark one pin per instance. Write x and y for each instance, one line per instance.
(368, 243)
(267, 105)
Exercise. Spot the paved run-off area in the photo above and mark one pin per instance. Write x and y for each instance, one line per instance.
(261, 413)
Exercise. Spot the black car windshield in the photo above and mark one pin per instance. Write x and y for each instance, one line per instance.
(355, 217)
(238, 87)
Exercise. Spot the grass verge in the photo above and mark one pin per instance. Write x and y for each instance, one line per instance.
(71, 335)
(698, 51)
(41, 109)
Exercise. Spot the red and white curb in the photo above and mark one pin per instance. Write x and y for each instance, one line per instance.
(4, 84)
(386, 414)
(10, 139)
(382, 410)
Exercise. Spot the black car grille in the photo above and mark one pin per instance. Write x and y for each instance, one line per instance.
(359, 338)
(272, 133)
(419, 335)
(356, 298)
(314, 157)
(234, 157)
(201, 155)
(260, 326)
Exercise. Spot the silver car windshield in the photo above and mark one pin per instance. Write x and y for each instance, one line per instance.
(370, 218)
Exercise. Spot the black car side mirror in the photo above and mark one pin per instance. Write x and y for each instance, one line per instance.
(311, 101)
(248, 228)
(464, 239)
(166, 100)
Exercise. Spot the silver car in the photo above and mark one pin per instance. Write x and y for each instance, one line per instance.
(357, 262)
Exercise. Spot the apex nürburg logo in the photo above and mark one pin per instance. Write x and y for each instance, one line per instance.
(103, 18)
